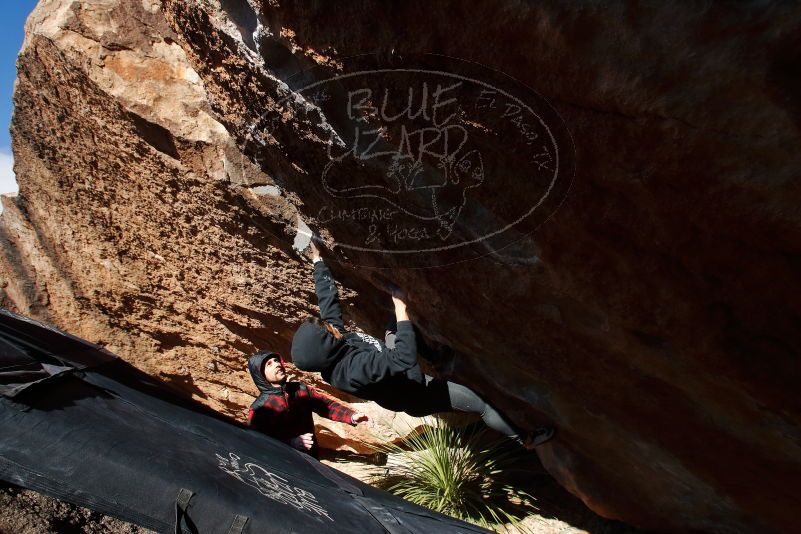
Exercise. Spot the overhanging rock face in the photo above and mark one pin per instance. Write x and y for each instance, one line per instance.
(649, 306)
(654, 317)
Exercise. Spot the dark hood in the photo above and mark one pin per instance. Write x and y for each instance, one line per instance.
(314, 349)
(255, 364)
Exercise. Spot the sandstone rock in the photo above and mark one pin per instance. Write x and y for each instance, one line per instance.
(664, 311)
(654, 317)
(126, 230)
(134, 227)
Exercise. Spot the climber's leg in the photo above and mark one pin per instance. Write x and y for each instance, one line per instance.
(464, 399)
(444, 396)
(391, 328)
(426, 397)
(437, 395)
(389, 339)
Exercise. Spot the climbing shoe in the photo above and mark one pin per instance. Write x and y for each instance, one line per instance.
(538, 437)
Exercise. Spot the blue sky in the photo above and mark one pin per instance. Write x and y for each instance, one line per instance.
(12, 29)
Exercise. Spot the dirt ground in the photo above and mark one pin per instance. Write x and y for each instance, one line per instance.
(27, 512)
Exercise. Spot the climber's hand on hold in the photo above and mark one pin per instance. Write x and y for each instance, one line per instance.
(314, 252)
(398, 303)
(400, 308)
(398, 293)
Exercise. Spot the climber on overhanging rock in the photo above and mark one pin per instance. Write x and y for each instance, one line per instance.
(387, 373)
(284, 409)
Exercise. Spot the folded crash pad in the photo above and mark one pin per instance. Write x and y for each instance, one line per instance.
(83, 426)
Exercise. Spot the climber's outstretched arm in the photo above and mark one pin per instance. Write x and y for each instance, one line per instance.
(326, 289)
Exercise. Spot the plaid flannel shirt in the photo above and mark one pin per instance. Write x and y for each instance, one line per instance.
(286, 412)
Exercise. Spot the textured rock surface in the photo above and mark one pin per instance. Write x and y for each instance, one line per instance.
(139, 224)
(658, 326)
(129, 230)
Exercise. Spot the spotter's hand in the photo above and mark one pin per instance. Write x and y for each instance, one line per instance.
(359, 417)
(304, 441)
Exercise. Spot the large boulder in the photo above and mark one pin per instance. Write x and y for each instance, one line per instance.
(139, 225)
(165, 153)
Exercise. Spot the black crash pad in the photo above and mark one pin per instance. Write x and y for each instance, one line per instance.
(85, 427)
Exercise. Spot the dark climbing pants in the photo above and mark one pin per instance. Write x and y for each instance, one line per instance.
(434, 395)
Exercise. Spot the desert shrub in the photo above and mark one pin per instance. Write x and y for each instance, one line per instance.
(457, 472)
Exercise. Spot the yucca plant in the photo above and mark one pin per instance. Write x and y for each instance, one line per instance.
(457, 472)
